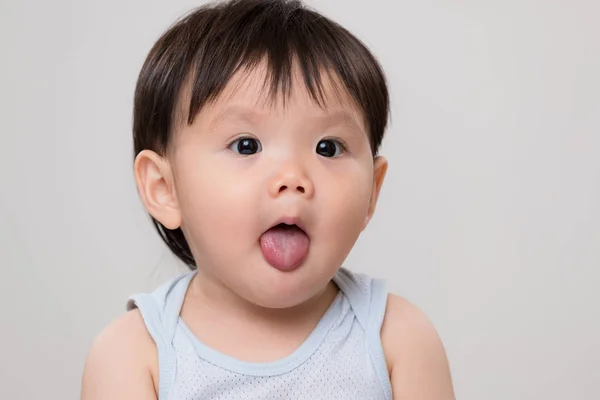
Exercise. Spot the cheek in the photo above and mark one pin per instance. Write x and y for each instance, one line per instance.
(347, 204)
(217, 207)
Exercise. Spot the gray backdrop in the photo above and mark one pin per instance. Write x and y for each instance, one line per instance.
(489, 219)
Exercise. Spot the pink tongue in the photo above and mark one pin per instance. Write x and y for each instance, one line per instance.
(285, 248)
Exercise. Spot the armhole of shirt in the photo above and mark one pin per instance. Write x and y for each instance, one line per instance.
(368, 299)
(378, 304)
(150, 311)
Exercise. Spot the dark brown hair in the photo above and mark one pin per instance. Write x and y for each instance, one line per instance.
(205, 48)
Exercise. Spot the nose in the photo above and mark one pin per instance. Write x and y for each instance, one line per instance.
(290, 180)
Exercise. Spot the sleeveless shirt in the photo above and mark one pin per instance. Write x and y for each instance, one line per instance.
(341, 359)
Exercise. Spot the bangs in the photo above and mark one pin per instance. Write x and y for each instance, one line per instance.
(283, 41)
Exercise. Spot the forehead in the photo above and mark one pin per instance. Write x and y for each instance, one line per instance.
(253, 92)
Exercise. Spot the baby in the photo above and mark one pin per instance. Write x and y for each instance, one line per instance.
(256, 130)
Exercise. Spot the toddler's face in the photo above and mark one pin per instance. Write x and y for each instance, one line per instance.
(247, 165)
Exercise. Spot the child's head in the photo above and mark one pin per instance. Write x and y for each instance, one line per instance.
(249, 115)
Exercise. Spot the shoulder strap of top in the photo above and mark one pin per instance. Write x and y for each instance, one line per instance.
(160, 311)
(368, 299)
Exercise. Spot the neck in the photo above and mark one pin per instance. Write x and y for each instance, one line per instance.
(208, 296)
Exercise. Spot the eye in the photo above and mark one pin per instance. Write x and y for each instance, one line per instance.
(330, 148)
(245, 146)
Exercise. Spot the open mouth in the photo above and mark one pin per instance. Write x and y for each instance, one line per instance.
(285, 246)
(287, 227)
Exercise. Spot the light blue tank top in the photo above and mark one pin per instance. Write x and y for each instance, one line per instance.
(341, 359)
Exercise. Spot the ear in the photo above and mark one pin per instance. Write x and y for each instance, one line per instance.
(154, 178)
(379, 171)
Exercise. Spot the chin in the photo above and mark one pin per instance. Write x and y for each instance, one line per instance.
(284, 289)
(277, 302)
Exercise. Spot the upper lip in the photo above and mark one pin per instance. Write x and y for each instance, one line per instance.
(291, 220)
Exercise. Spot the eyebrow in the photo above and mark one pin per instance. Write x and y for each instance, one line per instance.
(234, 113)
(339, 117)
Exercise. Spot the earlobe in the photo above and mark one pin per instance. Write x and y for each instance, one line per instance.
(154, 179)
(379, 172)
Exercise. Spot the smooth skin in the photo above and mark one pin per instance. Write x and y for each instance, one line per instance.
(237, 300)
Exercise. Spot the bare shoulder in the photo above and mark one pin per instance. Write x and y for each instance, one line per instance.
(414, 352)
(122, 362)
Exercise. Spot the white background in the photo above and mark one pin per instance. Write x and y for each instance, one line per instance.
(489, 219)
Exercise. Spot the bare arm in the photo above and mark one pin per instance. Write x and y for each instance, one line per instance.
(415, 355)
(122, 362)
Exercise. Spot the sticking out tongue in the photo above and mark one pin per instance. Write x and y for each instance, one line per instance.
(284, 246)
